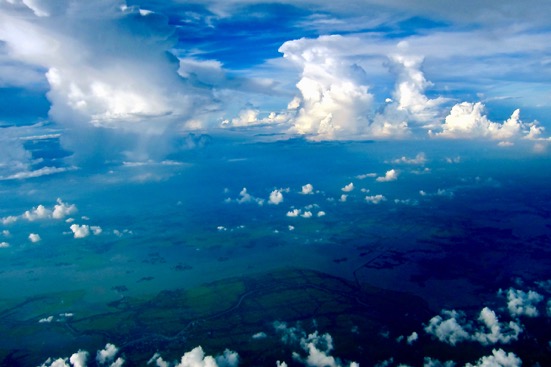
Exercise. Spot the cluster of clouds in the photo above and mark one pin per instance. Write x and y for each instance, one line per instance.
(104, 357)
(114, 71)
(453, 327)
(315, 348)
(59, 211)
(197, 358)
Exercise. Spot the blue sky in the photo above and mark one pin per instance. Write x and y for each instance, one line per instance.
(157, 70)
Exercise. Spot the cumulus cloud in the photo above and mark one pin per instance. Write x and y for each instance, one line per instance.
(276, 197)
(453, 327)
(522, 303)
(59, 211)
(197, 358)
(391, 175)
(106, 66)
(468, 120)
(80, 358)
(40, 212)
(366, 175)
(498, 333)
(447, 328)
(293, 213)
(499, 358)
(343, 198)
(33, 237)
(306, 214)
(4, 244)
(321, 213)
(348, 188)
(62, 210)
(412, 338)
(333, 101)
(259, 335)
(245, 197)
(250, 117)
(307, 189)
(107, 354)
(419, 159)
(375, 199)
(82, 231)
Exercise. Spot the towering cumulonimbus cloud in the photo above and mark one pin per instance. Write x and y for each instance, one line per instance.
(334, 101)
(108, 71)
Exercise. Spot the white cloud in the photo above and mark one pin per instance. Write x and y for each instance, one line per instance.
(260, 335)
(499, 358)
(307, 189)
(375, 199)
(46, 320)
(447, 328)
(391, 175)
(498, 333)
(291, 228)
(80, 231)
(348, 188)
(366, 175)
(276, 197)
(293, 213)
(306, 214)
(4, 244)
(79, 359)
(33, 237)
(40, 212)
(412, 338)
(197, 358)
(419, 159)
(321, 213)
(61, 209)
(6, 233)
(343, 198)
(468, 120)
(431, 362)
(522, 303)
(9, 220)
(245, 197)
(334, 102)
(107, 354)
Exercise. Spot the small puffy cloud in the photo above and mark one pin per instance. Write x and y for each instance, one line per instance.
(107, 354)
(80, 231)
(447, 328)
(375, 199)
(4, 244)
(522, 303)
(293, 213)
(321, 213)
(343, 198)
(197, 358)
(291, 228)
(306, 214)
(468, 120)
(40, 212)
(79, 359)
(9, 220)
(33, 237)
(412, 338)
(307, 189)
(498, 333)
(499, 358)
(61, 209)
(419, 159)
(96, 230)
(260, 335)
(391, 175)
(276, 197)
(6, 233)
(348, 188)
(245, 197)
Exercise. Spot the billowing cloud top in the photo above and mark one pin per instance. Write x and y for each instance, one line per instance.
(127, 73)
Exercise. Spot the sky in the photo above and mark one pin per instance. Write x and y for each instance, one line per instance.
(139, 76)
(205, 140)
